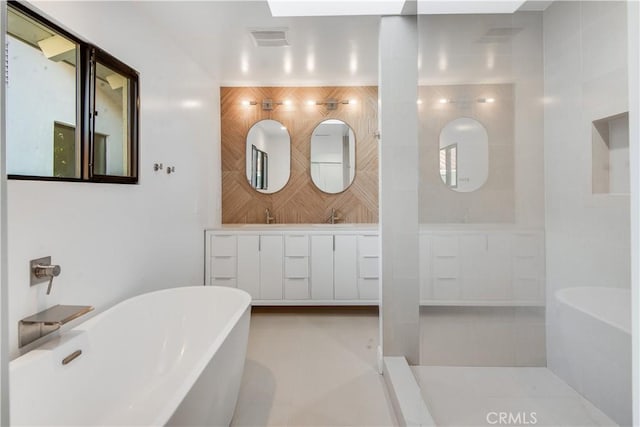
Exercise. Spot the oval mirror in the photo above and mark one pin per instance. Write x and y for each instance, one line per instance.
(464, 154)
(268, 154)
(333, 156)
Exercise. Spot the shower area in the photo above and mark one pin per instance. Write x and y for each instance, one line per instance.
(522, 219)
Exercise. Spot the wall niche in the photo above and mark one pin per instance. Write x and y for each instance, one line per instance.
(300, 201)
(610, 154)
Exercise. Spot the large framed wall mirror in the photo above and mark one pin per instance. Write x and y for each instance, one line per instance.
(333, 156)
(268, 156)
(464, 154)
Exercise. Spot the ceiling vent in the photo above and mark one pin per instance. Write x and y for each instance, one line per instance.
(269, 37)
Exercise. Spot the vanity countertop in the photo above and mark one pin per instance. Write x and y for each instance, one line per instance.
(311, 228)
(369, 228)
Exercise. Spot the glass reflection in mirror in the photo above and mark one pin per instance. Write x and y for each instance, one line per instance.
(464, 154)
(268, 156)
(333, 155)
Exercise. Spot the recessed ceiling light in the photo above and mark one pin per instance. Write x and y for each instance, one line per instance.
(334, 8)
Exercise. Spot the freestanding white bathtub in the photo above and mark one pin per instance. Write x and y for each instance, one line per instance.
(590, 346)
(171, 357)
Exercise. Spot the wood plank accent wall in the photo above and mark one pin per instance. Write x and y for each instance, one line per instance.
(300, 201)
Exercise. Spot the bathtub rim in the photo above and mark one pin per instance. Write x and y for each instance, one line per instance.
(178, 394)
(562, 298)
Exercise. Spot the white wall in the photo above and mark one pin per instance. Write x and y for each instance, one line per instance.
(633, 32)
(4, 324)
(585, 79)
(587, 235)
(116, 241)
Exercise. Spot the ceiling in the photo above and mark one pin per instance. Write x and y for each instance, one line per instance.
(323, 50)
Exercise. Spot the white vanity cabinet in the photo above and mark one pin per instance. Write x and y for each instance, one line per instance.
(498, 267)
(249, 262)
(223, 262)
(299, 266)
(296, 267)
(322, 265)
(345, 267)
(271, 268)
(368, 267)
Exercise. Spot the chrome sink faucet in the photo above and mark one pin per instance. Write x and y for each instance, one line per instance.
(268, 219)
(335, 217)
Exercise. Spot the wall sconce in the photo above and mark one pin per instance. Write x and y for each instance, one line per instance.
(332, 104)
(267, 104)
(486, 100)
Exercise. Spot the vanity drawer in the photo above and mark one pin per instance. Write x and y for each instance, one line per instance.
(223, 245)
(224, 281)
(296, 288)
(368, 246)
(368, 289)
(296, 245)
(223, 266)
(296, 267)
(369, 267)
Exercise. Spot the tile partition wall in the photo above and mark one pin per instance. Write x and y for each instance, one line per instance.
(399, 230)
(300, 201)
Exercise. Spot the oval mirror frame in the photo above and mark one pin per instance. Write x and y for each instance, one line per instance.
(464, 155)
(332, 159)
(268, 156)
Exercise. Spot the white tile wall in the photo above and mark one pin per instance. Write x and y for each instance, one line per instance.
(587, 235)
(398, 186)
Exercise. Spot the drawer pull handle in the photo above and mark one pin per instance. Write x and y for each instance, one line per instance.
(70, 358)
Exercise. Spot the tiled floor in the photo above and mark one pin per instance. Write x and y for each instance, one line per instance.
(482, 336)
(313, 368)
(472, 396)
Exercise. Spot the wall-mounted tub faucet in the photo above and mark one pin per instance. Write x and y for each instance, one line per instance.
(42, 270)
(33, 327)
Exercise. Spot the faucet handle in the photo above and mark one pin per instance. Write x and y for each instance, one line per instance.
(42, 269)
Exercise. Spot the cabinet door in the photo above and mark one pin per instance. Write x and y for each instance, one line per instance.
(346, 267)
(322, 267)
(248, 275)
(271, 267)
